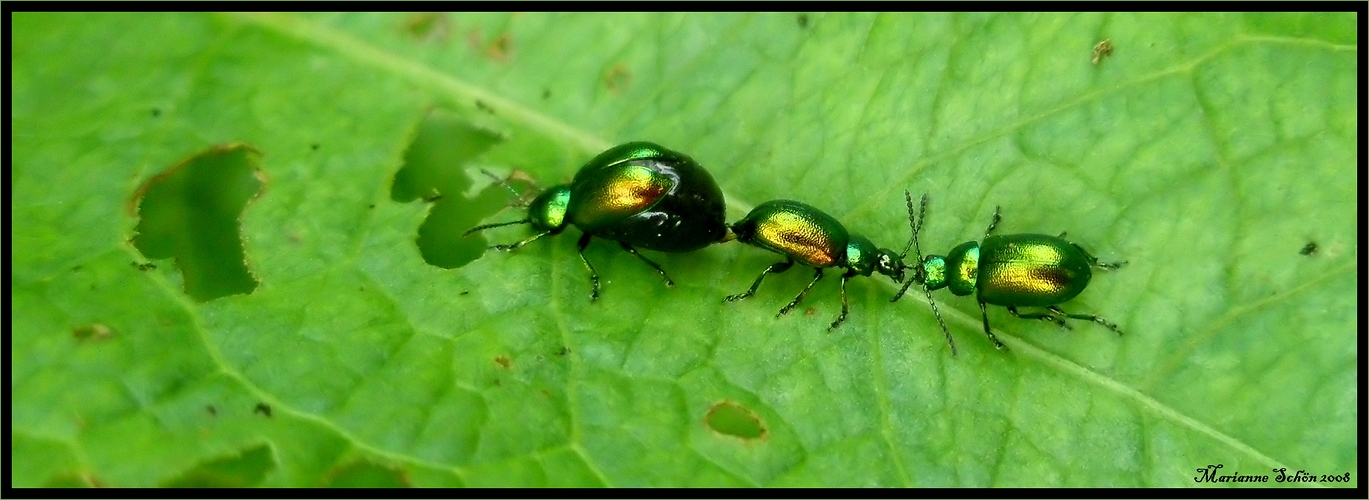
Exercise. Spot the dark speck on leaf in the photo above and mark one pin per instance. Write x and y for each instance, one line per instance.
(156, 112)
(546, 93)
(213, 412)
(314, 146)
(263, 409)
(563, 351)
(803, 21)
(373, 205)
(483, 107)
(465, 292)
(1309, 249)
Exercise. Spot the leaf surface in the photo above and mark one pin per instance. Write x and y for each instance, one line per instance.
(1205, 150)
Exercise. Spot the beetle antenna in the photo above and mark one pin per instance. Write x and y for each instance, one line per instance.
(505, 182)
(498, 224)
(919, 274)
(913, 224)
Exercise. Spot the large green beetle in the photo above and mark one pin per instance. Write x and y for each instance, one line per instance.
(639, 194)
(1011, 270)
(799, 231)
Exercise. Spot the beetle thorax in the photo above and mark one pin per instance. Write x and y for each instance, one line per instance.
(548, 211)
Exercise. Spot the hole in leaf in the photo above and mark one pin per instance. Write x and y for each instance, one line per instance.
(245, 469)
(190, 212)
(733, 419)
(367, 475)
(433, 170)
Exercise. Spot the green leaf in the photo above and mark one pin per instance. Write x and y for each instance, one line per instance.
(1205, 149)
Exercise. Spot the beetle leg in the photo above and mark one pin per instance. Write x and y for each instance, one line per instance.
(1094, 260)
(593, 276)
(776, 268)
(993, 222)
(985, 312)
(1089, 317)
(844, 308)
(514, 246)
(648, 262)
(1041, 316)
(790, 307)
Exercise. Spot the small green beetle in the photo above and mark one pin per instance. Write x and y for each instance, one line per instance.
(799, 231)
(1013, 270)
(638, 194)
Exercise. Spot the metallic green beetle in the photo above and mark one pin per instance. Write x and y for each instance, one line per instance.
(799, 231)
(1013, 270)
(638, 194)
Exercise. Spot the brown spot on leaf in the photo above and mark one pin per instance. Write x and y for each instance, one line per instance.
(618, 79)
(429, 26)
(500, 47)
(1103, 49)
(503, 361)
(93, 331)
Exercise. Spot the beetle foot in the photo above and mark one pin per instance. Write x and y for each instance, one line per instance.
(1110, 325)
(740, 296)
(836, 323)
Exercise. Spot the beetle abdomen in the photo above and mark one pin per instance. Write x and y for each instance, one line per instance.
(648, 197)
(1030, 270)
(797, 230)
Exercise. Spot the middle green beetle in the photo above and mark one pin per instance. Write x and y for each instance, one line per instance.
(799, 231)
(638, 194)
